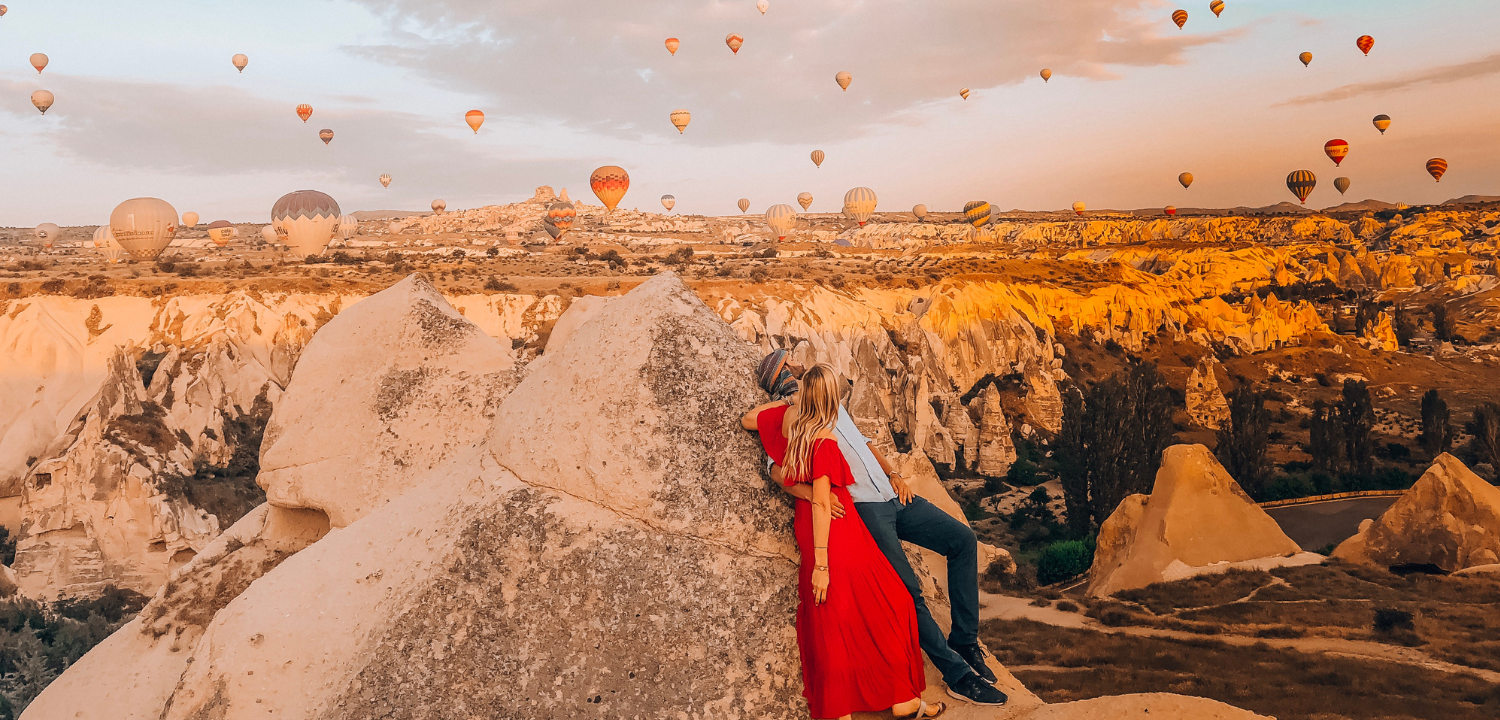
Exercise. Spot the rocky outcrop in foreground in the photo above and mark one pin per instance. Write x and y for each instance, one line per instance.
(611, 550)
(1450, 520)
(1196, 520)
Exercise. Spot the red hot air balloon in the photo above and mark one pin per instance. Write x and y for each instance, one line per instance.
(1364, 43)
(1436, 167)
(1337, 150)
(1180, 17)
(1170, 211)
(304, 111)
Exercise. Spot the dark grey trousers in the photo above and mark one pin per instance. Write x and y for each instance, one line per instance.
(924, 524)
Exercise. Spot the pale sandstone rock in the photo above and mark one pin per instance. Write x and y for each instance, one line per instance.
(1205, 402)
(1196, 520)
(996, 449)
(1449, 519)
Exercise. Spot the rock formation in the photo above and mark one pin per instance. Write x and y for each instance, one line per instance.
(1196, 520)
(1205, 402)
(1450, 520)
(996, 449)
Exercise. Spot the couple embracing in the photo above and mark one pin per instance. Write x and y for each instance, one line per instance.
(862, 624)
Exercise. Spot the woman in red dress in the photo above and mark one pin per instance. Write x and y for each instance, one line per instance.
(856, 624)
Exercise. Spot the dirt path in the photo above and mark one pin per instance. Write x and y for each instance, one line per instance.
(1013, 608)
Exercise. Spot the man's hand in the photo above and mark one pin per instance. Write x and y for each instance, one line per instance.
(903, 491)
(803, 491)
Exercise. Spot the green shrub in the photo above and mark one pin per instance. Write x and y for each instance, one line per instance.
(1063, 560)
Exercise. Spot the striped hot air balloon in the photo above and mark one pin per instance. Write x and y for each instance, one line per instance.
(744, 204)
(1341, 184)
(1436, 167)
(1217, 6)
(963, 93)
(348, 226)
(305, 221)
(1301, 183)
(668, 202)
(304, 111)
(609, 184)
(976, 213)
(804, 199)
(385, 180)
(734, 41)
(680, 120)
(1170, 210)
(1180, 17)
(104, 241)
(782, 218)
(560, 215)
(1364, 43)
(673, 44)
(474, 118)
(859, 204)
(817, 158)
(1382, 123)
(1186, 179)
(1337, 150)
(325, 135)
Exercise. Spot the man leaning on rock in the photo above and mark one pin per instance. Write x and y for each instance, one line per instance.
(894, 513)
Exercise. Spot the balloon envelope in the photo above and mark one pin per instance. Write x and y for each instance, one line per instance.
(560, 215)
(804, 199)
(920, 211)
(189, 219)
(1186, 179)
(107, 245)
(438, 206)
(1337, 150)
(240, 61)
(474, 118)
(817, 158)
(976, 213)
(42, 100)
(385, 180)
(744, 204)
(325, 135)
(47, 234)
(859, 204)
(680, 119)
(762, 5)
(1436, 167)
(144, 226)
(1180, 17)
(1364, 43)
(304, 111)
(673, 44)
(734, 42)
(1306, 58)
(1079, 207)
(1301, 183)
(348, 226)
(1170, 210)
(1382, 123)
(1341, 184)
(305, 221)
(269, 233)
(668, 202)
(843, 79)
(1217, 6)
(610, 184)
(220, 232)
(38, 61)
(781, 218)
(963, 93)
(1046, 75)
(3, 10)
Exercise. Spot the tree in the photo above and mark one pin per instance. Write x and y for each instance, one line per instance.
(1243, 437)
(1357, 411)
(1485, 427)
(1366, 313)
(1437, 427)
(1326, 438)
(1444, 327)
(1071, 467)
(1405, 325)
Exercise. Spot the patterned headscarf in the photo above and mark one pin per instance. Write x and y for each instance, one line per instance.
(773, 376)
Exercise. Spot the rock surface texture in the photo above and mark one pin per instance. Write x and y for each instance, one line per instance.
(1205, 402)
(1196, 520)
(1450, 519)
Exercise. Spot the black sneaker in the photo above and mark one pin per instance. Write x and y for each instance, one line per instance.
(976, 691)
(974, 656)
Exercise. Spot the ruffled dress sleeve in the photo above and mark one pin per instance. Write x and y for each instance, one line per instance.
(768, 424)
(829, 460)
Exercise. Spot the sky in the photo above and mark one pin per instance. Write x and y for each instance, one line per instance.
(149, 104)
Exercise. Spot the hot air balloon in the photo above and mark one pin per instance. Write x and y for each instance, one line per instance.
(42, 100)
(610, 183)
(3, 10)
(47, 234)
(220, 231)
(963, 93)
(1382, 123)
(668, 202)
(305, 221)
(1170, 210)
(325, 135)
(1364, 43)
(859, 204)
(1046, 75)
(1079, 207)
(38, 61)
(673, 44)
(744, 204)
(976, 213)
(560, 215)
(385, 180)
(817, 158)
(438, 206)
(304, 111)
(919, 211)
(734, 42)
(1179, 17)
(1217, 6)
(474, 118)
(1337, 150)
(762, 5)
(348, 226)
(1186, 179)
(782, 218)
(1301, 183)
(240, 61)
(1306, 58)
(1436, 167)
(804, 199)
(144, 226)
(189, 219)
(268, 232)
(1341, 184)
(680, 120)
(843, 79)
(105, 242)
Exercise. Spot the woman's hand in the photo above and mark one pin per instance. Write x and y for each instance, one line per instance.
(820, 585)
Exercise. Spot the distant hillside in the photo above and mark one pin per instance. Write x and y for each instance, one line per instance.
(1473, 199)
(363, 215)
(1362, 206)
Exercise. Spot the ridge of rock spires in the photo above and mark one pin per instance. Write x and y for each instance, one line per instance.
(1196, 520)
(1205, 402)
(1449, 519)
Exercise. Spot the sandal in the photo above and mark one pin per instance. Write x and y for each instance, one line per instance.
(921, 713)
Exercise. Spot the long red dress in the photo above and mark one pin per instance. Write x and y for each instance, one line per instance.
(859, 648)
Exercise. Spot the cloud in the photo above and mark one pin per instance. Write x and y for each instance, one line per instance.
(604, 69)
(1436, 76)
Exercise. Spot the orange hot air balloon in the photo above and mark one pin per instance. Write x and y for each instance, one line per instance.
(1170, 211)
(963, 93)
(1364, 43)
(1180, 17)
(1217, 6)
(673, 44)
(1436, 167)
(734, 41)
(325, 135)
(609, 183)
(680, 120)
(1337, 150)
(304, 111)
(843, 79)
(1046, 74)
(817, 158)
(38, 61)
(1306, 59)
(474, 118)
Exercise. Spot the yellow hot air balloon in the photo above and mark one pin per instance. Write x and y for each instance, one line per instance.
(1341, 184)
(1217, 6)
(734, 41)
(1046, 75)
(1382, 123)
(385, 180)
(859, 204)
(189, 219)
(1301, 183)
(304, 111)
(474, 118)
(843, 79)
(817, 158)
(1186, 179)
(976, 213)
(1180, 17)
(781, 218)
(804, 199)
(325, 135)
(680, 120)
(919, 212)
(1079, 207)
(42, 100)
(305, 221)
(744, 204)
(1436, 167)
(220, 232)
(439, 205)
(668, 202)
(240, 61)
(38, 61)
(105, 242)
(673, 44)
(963, 93)
(1306, 59)
(144, 226)
(610, 184)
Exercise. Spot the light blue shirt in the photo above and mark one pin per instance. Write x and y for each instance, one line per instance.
(870, 481)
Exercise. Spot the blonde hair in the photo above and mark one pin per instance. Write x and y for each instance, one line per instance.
(817, 409)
